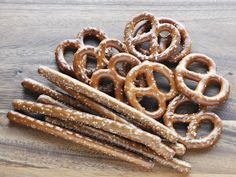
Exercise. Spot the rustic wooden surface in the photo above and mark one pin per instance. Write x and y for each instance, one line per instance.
(31, 30)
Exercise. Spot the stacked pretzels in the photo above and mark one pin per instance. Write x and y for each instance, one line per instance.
(110, 118)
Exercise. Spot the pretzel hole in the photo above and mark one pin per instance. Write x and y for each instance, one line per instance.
(91, 63)
(212, 89)
(106, 85)
(141, 27)
(162, 82)
(140, 81)
(91, 40)
(187, 107)
(143, 48)
(190, 84)
(69, 54)
(181, 128)
(149, 103)
(204, 128)
(164, 40)
(198, 67)
(122, 68)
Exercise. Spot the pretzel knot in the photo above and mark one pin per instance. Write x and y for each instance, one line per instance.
(203, 80)
(155, 53)
(133, 92)
(194, 120)
(165, 39)
(98, 53)
(59, 55)
(112, 74)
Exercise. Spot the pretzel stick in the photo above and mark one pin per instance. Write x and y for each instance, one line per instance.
(129, 132)
(177, 147)
(174, 163)
(67, 83)
(79, 139)
(95, 107)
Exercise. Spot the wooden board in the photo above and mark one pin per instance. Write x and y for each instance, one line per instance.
(30, 30)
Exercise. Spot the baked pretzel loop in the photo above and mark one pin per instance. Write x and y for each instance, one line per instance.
(155, 53)
(91, 32)
(80, 59)
(132, 92)
(204, 80)
(194, 120)
(61, 62)
(112, 74)
(165, 39)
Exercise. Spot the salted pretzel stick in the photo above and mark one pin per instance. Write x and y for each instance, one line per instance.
(95, 107)
(174, 163)
(177, 147)
(77, 138)
(129, 132)
(67, 83)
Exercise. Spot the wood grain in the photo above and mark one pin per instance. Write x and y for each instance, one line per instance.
(30, 30)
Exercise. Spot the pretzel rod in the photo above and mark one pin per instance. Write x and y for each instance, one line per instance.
(79, 139)
(48, 100)
(129, 132)
(67, 83)
(95, 107)
(174, 163)
(179, 148)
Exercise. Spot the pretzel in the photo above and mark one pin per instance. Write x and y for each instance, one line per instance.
(79, 61)
(129, 132)
(69, 84)
(88, 104)
(101, 135)
(60, 58)
(191, 141)
(91, 32)
(132, 92)
(164, 41)
(112, 74)
(203, 80)
(177, 164)
(79, 139)
(152, 37)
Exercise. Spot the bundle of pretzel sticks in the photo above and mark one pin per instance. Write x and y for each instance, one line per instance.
(110, 119)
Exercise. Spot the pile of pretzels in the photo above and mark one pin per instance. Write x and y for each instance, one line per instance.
(110, 118)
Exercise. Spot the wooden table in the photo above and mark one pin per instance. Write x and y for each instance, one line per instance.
(31, 30)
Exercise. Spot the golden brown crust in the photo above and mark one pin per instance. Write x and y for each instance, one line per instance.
(112, 74)
(151, 36)
(191, 141)
(132, 92)
(67, 83)
(80, 58)
(203, 80)
(79, 139)
(59, 55)
(129, 132)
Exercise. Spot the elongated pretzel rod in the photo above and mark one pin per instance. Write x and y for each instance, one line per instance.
(129, 132)
(93, 106)
(179, 165)
(177, 147)
(67, 83)
(174, 163)
(77, 138)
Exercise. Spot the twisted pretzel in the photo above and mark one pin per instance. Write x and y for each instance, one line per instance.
(60, 58)
(155, 53)
(203, 80)
(164, 41)
(113, 75)
(79, 62)
(194, 120)
(132, 92)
